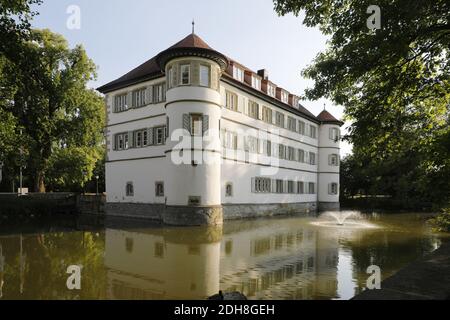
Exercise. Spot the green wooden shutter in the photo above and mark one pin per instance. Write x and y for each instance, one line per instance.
(150, 136)
(205, 124)
(167, 127)
(187, 122)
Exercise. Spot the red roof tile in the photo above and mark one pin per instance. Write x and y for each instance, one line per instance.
(151, 69)
(325, 116)
(192, 41)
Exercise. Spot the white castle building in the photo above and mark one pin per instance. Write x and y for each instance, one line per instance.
(194, 137)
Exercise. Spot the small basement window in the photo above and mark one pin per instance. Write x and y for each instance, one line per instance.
(129, 189)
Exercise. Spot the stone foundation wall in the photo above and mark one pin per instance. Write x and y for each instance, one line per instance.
(136, 210)
(243, 211)
(329, 206)
(193, 216)
(198, 216)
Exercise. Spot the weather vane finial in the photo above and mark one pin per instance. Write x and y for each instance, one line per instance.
(193, 26)
(324, 106)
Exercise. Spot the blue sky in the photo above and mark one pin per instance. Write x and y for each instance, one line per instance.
(119, 35)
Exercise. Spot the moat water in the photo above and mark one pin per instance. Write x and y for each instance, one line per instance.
(276, 258)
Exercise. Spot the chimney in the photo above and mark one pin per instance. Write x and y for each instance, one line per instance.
(263, 73)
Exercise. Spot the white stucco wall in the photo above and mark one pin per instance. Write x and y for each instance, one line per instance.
(208, 181)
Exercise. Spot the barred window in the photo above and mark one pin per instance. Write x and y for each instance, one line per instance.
(262, 185)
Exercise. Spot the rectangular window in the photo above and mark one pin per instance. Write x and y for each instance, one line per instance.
(231, 101)
(159, 92)
(138, 139)
(311, 188)
(334, 134)
(267, 114)
(253, 109)
(279, 119)
(238, 74)
(268, 148)
(160, 135)
(126, 144)
(292, 124)
(256, 82)
(333, 188)
(170, 78)
(282, 151)
(120, 103)
(301, 127)
(129, 189)
(138, 97)
(301, 156)
(205, 72)
(291, 154)
(262, 185)
(159, 189)
(284, 96)
(334, 160)
(145, 138)
(196, 124)
(279, 186)
(271, 90)
(229, 189)
(185, 71)
(312, 158)
(300, 187)
(229, 140)
(312, 131)
(290, 186)
(251, 144)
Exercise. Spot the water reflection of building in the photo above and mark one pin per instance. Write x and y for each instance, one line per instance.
(289, 261)
(163, 263)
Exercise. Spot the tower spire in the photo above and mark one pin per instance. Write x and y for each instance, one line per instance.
(193, 26)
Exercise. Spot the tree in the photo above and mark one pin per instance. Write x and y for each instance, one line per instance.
(59, 114)
(15, 16)
(394, 83)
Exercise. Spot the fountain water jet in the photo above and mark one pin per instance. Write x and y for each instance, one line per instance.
(347, 219)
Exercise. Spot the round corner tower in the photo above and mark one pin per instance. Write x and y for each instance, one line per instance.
(193, 108)
(329, 162)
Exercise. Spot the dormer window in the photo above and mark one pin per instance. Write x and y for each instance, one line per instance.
(256, 82)
(271, 90)
(284, 96)
(238, 74)
(295, 101)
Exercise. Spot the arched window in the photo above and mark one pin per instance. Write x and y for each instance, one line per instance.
(229, 190)
(129, 189)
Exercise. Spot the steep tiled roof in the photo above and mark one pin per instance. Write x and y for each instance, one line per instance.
(152, 69)
(192, 41)
(325, 116)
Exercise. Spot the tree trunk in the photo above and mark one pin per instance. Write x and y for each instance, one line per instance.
(39, 185)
